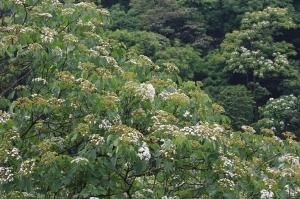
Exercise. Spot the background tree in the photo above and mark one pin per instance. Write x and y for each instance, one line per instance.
(253, 52)
(237, 101)
(141, 42)
(184, 57)
(211, 71)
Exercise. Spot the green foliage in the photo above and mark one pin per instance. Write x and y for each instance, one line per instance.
(125, 20)
(91, 120)
(211, 72)
(168, 18)
(226, 15)
(237, 101)
(185, 58)
(140, 42)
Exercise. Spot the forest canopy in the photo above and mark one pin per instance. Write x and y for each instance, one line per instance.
(159, 108)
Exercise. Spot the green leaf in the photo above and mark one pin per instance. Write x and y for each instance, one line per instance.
(11, 95)
(138, 167)
(179, 80)
(58, 185)
(180, 139)
(168, 167)
(279, 148)
(74, 137)
(113, 161)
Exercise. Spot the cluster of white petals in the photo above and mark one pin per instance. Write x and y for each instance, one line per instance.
(6, 175)
(39, 79)
(80, 159)
(144, 153)
(264, 194)
(4, 116)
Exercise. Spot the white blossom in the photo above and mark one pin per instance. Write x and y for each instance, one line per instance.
(144, 153)
(266, 194)
(80, 159)
(40, 80)
(6, 175)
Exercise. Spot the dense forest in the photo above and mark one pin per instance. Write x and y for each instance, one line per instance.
(149, 99)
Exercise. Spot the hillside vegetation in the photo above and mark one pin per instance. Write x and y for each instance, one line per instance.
(89, 111)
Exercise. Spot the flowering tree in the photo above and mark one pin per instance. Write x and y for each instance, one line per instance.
(280, 115)
(252, 51)
(85, 119)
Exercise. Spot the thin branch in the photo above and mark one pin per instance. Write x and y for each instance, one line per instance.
(267, 160)
(3, 92)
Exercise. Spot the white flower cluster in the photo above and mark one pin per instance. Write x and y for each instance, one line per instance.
(80, 159)
(227, 184)
(292, 192)
(96, 139)
(117, 120)
(59, 140)
(269, 182)
(144, 153)
(204, 130)
(143, 91)
(103, 12)
(166, 197)
(6, 175)
(88, 24)
(284, 102)
(69, 38)
(55, 3)
(40, 80)
(86, 66)
(13, 153)
(112, 62)
(171, 68)
(146, 92)
(273, 171)
(56, 102)
(34, 47)
(290, 158)
(67, 11)
(102, 50)
(289, 172)
(27, 167)
(248, 129)
(86, 85)
(167, 149)
(93, 53)
(105, 124)
(57, 51)
(264, 194)
(10, 39)
(168, 129)
(174, 96)
(48, 34)
(27, 29)
(137, 194)
(226, 162)
(85, 5)
(90, 119)
(27, 195)
(4, 116)
(45, 15)
(131, 137)
(18, 2)
(187, 114)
